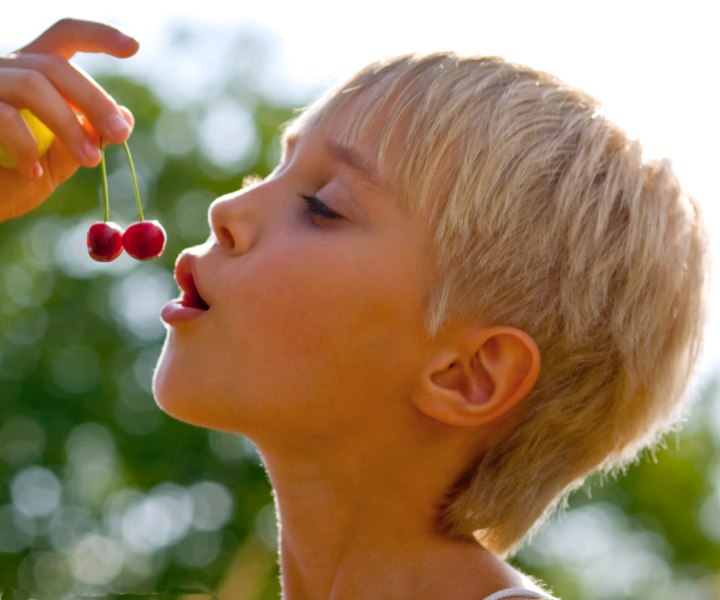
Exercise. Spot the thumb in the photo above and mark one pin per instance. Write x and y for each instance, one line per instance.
(68, 36)
(59, 164)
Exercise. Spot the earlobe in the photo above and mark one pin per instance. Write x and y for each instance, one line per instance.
(491, 370)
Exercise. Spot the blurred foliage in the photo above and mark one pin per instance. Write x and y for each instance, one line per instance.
(99, 490)
(651, 533)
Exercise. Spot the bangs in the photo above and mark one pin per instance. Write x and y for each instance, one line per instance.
(400, 113)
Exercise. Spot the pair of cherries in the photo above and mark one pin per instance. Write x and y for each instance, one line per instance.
(106, 240)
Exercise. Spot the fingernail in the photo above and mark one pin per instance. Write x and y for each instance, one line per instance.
(91, 151)
(36, 170)
(118, 126)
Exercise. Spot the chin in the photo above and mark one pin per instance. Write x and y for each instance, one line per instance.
(183, 393)
(171, 388)
(178, 403)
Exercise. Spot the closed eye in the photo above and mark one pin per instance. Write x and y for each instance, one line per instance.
(314, 207)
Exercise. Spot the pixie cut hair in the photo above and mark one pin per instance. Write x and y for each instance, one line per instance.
(546, 217)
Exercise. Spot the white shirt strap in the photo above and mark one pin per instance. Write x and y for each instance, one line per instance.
(517, 593)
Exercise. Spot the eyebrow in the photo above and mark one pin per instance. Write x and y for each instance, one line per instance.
(362, 166)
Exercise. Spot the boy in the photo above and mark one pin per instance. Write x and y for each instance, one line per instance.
(374, 315)
(383, 300)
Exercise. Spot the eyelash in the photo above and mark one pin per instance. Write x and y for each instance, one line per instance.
(314, 207)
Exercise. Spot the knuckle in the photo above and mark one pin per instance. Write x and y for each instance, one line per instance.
(31, 81)
(62, 24)
(53, 63)
(9, 115)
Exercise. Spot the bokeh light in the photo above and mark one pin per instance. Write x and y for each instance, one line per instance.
(36, 492)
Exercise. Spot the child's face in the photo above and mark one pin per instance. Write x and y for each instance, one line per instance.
(315, 322)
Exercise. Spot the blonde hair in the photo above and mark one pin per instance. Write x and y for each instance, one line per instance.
(544, 217)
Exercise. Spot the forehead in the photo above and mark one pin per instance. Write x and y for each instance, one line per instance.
(358, 122)
(360, 158)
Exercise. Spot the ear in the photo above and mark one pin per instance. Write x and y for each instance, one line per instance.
(490, 370)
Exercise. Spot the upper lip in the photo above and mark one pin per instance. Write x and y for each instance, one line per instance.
(186, 280)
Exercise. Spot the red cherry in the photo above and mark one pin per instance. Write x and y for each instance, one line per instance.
(104, 241)
(144, 240)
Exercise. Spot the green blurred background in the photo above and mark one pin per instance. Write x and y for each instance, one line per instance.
(101, 491)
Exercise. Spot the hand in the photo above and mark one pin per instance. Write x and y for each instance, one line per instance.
(77, 110)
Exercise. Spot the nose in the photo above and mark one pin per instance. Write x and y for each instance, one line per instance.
(234, 221)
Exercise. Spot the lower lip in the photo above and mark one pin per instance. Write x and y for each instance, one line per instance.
(174, 312)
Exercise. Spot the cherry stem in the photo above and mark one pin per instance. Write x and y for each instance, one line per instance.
(135, 183)
(106, 195)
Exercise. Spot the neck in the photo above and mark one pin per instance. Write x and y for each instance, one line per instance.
(367, 513)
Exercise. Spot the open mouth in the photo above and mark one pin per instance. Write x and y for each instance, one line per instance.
(190, 295)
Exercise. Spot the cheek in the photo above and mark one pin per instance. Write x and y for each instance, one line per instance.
(325, 314)
(310, 302)
(293, 327)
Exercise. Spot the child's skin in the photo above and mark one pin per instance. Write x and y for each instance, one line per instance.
(313, 346)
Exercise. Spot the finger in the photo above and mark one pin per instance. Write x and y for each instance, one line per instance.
(68, 36)
(32, 90)
(18, 140)
(128, 116)
(82, 92)
(59, 164)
